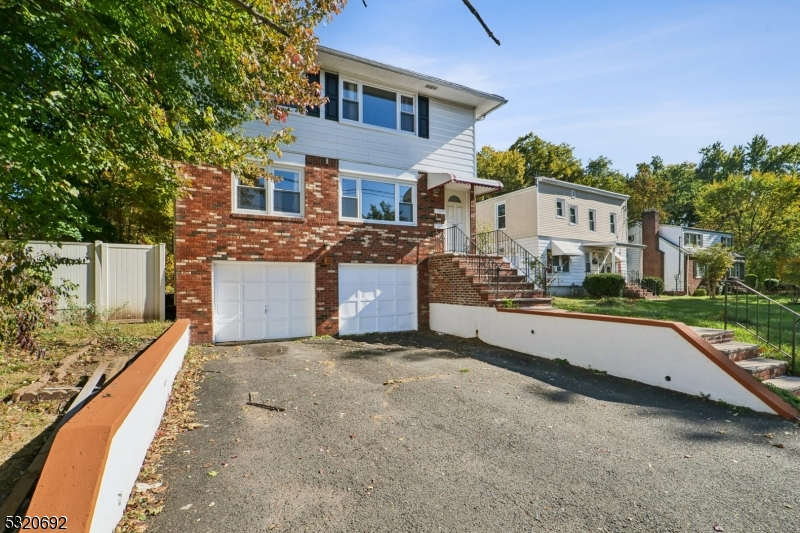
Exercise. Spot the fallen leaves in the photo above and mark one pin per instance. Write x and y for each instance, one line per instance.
(212, 473)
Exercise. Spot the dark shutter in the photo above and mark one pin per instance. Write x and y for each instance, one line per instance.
(313, 111)
(332, 93)
(424, 121)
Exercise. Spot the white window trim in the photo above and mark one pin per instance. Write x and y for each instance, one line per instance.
(592, 219)
(563, 203)
(360, 122)
(397, 183)
(612, 221)
(569, 215)
(497, 216)
(270, 190)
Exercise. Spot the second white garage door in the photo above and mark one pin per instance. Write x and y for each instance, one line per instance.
(377, 298)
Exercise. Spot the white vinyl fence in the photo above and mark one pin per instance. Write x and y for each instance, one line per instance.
(128, 278)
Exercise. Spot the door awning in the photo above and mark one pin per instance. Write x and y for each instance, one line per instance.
(565, 248)
(482, 186)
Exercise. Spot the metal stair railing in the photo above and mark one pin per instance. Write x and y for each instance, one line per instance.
(499, 243)
(771, 322)
(487, 269)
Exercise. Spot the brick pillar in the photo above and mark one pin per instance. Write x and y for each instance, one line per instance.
(653, 259)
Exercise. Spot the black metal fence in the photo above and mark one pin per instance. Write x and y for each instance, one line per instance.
(771, 322)
(487, 268)
(498, 243)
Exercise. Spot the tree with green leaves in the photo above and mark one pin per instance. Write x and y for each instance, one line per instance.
(104, 100)
(546, 159)
(717, 164)
(600, 174)
(506, 166)
(648, 190)
(715, 262)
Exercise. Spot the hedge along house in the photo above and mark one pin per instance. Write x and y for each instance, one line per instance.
(668, 252)
(574, 229)
(341, 243)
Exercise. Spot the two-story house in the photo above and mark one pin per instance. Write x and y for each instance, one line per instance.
(574, 229)
(668, 252)
(339, 243)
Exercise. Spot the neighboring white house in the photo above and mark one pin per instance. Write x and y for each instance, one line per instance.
(575, 229)
(668, 252)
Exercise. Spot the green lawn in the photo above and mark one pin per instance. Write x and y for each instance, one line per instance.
(701, 311)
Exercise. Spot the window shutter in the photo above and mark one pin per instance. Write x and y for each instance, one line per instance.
(332, 93)
(424, 121)
(313, 111)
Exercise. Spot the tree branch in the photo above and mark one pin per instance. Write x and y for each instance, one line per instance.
(264, 20)
(478, 16)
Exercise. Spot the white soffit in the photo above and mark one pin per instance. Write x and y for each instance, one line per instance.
(482, 186)
(565, 248)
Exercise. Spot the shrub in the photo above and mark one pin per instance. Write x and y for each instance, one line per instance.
(700, 292)
(751, 280)
(599, 285)
(653, 284)
(771, 284)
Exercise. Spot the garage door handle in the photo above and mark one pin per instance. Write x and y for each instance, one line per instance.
(265, 309)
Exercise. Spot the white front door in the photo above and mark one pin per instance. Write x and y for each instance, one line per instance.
(455, 216)
(255, 300)
(377, 298)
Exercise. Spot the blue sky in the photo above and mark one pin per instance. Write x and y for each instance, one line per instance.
(627, 80)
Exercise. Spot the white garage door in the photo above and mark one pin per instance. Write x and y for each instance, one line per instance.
(254, 301)
(377, 298)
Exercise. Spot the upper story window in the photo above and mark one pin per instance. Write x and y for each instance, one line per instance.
(727, 240)
(573, 215)
(282, 196)
(612, 223)
(559, 208)
(592, 220)
(500, 216)
(377, 201)
(694, 239)
(378, 107)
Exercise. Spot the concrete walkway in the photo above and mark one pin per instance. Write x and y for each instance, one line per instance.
(421, 432)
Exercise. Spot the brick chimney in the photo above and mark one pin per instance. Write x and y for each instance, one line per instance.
(653, 259)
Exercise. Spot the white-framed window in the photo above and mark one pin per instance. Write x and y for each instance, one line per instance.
(573, 215)
(694, 239)
(372, 200)
(283, 196)
(592, 220)
(500, 215)
(612, 223)
(560, 263)
(727, 241)
(560, 207)
(377, 106)
(699, 271)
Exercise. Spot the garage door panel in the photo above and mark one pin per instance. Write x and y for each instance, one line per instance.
(227, 273)
(299, 328)
(253, 291)
(300, 274)
(298, 309)
(278, 329)
(252, 273)
(253, 330)
(253, 310)
(277, 310)
(298, 291)
(227, 311)
(277, 273)
(228, 292)
(373, 297)
(229, 330)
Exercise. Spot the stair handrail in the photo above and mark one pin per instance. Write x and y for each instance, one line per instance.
(765, 332)
(498, 242)
(451, 239)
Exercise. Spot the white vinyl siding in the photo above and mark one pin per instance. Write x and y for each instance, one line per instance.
(450, 148)
(674, 276)
(520, 213)
(550, 225)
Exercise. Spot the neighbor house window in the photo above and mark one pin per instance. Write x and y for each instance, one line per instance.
(378, 107)
(694, 239)
(699, 271)
(612, 223)
(592, 218)
(560, 263)
(560, 208)
(281, 196)
(727, 241)
(500, 212)
(377, 201)
(573, 214)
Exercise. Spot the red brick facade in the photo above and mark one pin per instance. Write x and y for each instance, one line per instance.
(450, 285)
(653, 258)
(206, 230)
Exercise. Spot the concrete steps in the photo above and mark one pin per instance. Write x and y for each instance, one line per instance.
(748, 357)
(632, 290)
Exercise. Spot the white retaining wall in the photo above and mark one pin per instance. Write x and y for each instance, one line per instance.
(131, 441)
(643, 353)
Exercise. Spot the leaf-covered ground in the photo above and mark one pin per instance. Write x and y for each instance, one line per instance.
(24, 427)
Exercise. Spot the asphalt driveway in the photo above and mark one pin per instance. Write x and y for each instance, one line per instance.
(422, 432)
